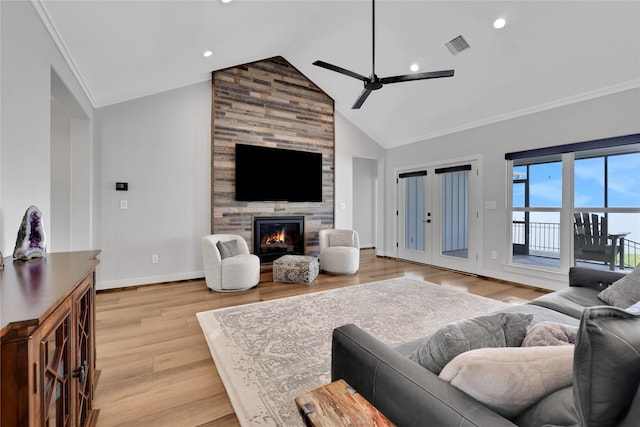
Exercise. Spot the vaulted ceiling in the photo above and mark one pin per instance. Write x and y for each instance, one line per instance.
(550, 53)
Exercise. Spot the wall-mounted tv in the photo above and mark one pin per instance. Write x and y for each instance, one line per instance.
(275, 174)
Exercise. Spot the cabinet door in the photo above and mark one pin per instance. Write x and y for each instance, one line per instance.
(55, 372)
(83, 363)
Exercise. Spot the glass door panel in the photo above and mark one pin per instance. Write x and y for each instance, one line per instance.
(56, 362)
(455, 214)
(413, 215)
(84, 356)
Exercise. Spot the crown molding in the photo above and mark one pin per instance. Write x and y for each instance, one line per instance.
(39, 6)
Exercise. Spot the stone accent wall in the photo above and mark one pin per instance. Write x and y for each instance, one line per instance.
(269, 103)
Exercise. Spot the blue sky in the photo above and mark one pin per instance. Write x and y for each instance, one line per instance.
(589, 178)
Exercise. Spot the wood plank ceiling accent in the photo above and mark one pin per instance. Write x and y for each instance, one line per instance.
(269, 103)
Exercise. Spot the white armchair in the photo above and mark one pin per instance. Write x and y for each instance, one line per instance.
(339, 251)
(228, 265)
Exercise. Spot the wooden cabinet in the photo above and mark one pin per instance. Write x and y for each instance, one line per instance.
(48, 364)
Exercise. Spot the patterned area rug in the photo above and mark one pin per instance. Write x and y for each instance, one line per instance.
(268, 353)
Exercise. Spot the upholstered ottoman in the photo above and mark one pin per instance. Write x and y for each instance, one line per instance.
(295, 269)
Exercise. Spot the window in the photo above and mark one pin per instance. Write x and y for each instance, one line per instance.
(536, 207)
(601, 218)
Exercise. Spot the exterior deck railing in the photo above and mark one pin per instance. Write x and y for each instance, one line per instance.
(544, 240)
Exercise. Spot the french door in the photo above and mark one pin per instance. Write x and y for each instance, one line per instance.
(437, 215)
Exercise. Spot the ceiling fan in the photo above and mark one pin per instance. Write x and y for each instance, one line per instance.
(373, 82)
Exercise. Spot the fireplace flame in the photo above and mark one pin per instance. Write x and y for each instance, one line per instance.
(274, 238)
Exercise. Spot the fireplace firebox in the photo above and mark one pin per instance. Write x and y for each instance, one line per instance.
(274, 236)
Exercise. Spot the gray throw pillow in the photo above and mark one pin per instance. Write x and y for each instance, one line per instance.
(606, 370)
(624, 292)
(228, 249)
(494, 330)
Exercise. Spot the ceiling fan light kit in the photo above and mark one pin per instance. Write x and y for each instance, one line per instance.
(373, 82)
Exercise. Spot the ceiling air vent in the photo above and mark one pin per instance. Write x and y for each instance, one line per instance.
(457, 45)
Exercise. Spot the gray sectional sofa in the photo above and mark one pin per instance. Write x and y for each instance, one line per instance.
(605, 389)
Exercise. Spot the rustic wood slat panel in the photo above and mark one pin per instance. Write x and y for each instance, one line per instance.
(269, 103)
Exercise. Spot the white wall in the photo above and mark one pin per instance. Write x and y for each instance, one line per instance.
(365, 181)
(28, 56)
(160, 146)
(608, 116)
(59, 232)
(352, 142)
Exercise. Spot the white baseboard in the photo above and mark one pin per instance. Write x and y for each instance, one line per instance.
(137, 281)
(382, 253)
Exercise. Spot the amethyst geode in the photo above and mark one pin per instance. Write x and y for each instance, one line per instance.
(31, 241)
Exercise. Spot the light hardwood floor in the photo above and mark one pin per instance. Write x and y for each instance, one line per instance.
(155, 363)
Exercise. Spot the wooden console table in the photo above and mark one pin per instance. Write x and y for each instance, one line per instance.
(47, 341)
(337, 405)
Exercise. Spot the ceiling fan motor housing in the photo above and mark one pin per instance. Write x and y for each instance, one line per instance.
(373, 83)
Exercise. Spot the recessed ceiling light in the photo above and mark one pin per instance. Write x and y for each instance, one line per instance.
(499, 23)
(225, 1)
(414, 67)
(207, 53)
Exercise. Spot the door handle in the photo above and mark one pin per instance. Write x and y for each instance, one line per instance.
(80, 372)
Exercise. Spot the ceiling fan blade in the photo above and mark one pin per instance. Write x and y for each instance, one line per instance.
(340, 70)
(418, 76)
(363, 97)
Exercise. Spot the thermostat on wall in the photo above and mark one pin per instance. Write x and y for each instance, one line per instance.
(122, 186)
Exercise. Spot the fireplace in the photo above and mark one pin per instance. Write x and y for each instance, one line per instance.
(274, 236)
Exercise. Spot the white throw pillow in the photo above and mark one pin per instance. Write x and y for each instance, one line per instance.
(508, 380)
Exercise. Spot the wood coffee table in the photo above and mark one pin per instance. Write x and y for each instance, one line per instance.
(338, 404)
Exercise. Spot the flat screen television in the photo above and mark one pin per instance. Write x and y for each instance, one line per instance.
(275, 174)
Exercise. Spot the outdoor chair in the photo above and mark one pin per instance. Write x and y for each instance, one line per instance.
(592, 241)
